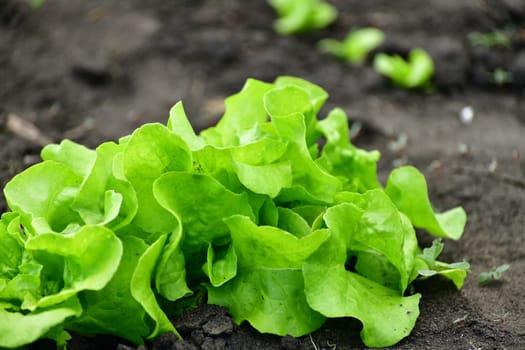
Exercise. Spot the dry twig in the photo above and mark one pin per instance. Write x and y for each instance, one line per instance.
(26, 130)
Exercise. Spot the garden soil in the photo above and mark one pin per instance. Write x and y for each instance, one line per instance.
(93, 71)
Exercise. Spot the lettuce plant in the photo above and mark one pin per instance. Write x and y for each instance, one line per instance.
(415, 72)
(251, 209)
(356, 45)
(299, 16)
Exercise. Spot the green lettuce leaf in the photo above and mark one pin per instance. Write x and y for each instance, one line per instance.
(43, 195)
(126, 306)
(91, 194)
(427, 265)
(221, 264)
(114, 310)
(268, 290)
(170, 276)
(18, 329)
(288, 100)
(407, 188)
(141, 289)
(89, 259)
(179, 124)
(355, 167)
(259, 167)
(310, 183)
(387, 316)
(46, 274)
(243, 110)
(316, 94)
(201, 203)
(11, 249)
(291, 221)
(152, 151)
(103, 198)
(370, 223)
(78, 157)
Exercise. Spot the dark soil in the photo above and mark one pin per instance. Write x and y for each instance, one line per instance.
(95, 70)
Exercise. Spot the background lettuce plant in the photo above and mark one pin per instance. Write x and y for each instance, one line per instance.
(299, 16)
(356, 45)
(416, 72)
(252, 209)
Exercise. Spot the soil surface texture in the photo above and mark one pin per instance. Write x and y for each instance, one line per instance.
(93, 71)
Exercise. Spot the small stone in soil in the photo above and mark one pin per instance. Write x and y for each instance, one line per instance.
(466, 115)
(197, 336)
(218, 325)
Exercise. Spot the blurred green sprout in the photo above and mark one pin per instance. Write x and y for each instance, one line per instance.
(414, 73)
(356, 46)
(493, 275)
(490, 39)
(299, 16)
(501, 76)
(35, 4)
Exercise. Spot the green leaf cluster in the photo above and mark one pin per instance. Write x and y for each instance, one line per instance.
(299, 16)
(281, 228)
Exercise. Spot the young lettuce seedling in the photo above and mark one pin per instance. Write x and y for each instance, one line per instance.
(427, 265)
(298, 16)
(493, 275)
(501, 76)
(412, 74)
(356, 46)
